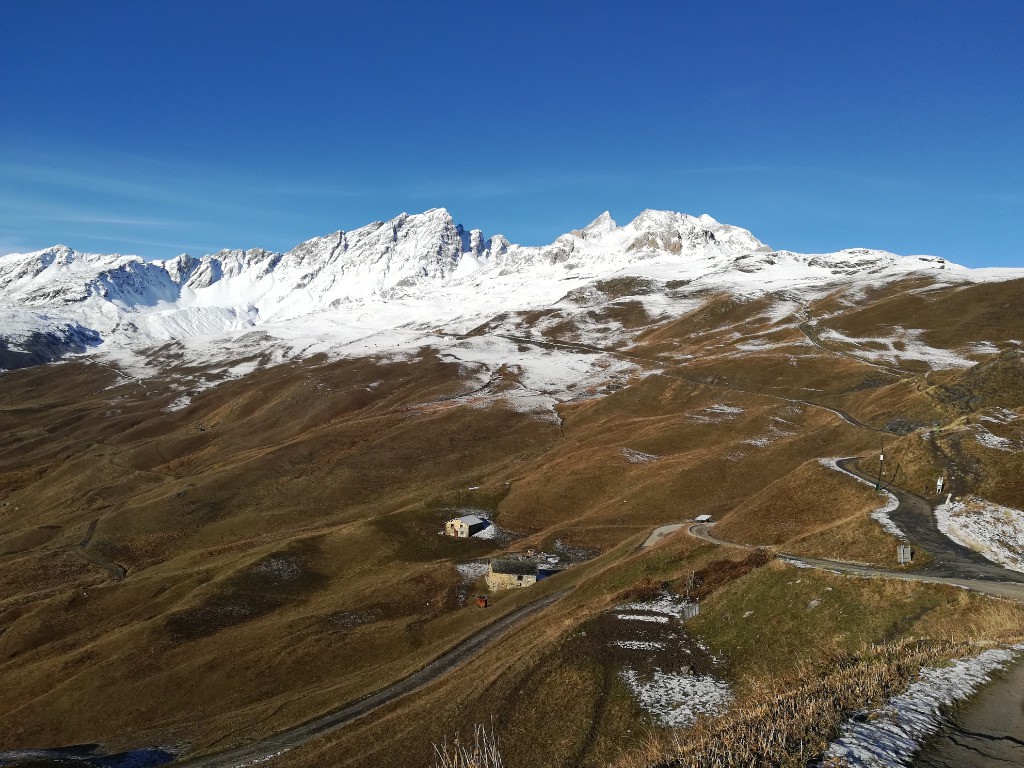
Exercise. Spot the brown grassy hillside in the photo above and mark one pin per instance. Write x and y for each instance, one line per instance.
(210, 575)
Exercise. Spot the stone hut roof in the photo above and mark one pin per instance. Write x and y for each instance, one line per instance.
(514, 567)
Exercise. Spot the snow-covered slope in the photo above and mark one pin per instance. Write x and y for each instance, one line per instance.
(421, 268)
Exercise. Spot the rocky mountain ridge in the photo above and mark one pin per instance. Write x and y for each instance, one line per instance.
(60, 294)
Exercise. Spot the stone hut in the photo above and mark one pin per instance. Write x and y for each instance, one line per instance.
(510, 574)
(466, 526)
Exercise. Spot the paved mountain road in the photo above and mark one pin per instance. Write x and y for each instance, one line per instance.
(660, 533)
(915, 516)
(1011, 589)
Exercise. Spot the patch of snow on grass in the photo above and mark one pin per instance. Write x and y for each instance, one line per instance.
(904, 344)
(892, 734)
(983, 348)
(994, 531)
(638, 457)
(239, 370)
(677, 699)
(663, 605)
(987, 439)
(999, 416)
(471, 571)
(770, 437)
(714, 414)
(642, 617)
(543, 376)
(178, 403)
(492, 532)
(882, 513)
(730, 409)
(640, 645)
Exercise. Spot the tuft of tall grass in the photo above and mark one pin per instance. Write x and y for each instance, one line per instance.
(482, 753)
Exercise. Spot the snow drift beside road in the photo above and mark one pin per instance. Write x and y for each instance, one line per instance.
(994, 531)
(888, 737)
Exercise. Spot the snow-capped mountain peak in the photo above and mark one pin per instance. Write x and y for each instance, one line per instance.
(409, 258)
(601, 225)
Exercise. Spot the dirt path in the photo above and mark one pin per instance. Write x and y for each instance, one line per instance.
(117, 572)
(268, 748)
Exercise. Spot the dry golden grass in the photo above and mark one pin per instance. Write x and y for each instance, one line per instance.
(952, 317)
(278, 535)
(814, 511)
(858, 539)
(773, 620)
(280, 463)
(523, 681)
(800, 670)
(787, 722)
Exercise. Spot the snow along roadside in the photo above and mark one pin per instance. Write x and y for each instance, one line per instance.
(890, 735)
(882, 513)
(992, 530)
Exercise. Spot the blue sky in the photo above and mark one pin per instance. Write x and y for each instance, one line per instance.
(156, 128)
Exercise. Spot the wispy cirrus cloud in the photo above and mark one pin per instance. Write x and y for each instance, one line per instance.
(124, 221)
(86, 217)
(151, 183)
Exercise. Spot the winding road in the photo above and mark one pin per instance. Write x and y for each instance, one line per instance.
(915, 516)
(952, 564)
(116, 572)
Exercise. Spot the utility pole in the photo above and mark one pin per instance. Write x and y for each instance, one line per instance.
(880, 484)
(895, 474)
(881, 463)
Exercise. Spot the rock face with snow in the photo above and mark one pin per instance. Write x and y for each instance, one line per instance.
(59, 300)
(402, 254)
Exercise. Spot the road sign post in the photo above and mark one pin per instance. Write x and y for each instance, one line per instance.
(904, 554)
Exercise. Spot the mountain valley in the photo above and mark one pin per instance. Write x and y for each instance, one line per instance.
(222, 482)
